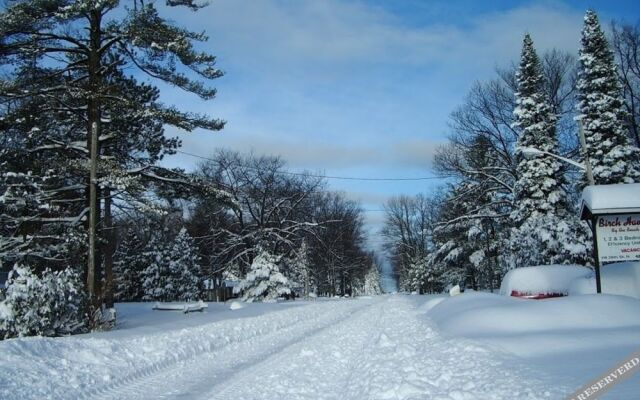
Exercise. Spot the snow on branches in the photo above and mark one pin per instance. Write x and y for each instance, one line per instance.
(264, 282)
(48, 305)
(601, 106)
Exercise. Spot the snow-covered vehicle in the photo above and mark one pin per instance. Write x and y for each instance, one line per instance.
(542, 282)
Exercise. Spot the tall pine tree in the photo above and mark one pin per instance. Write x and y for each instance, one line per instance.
(544, 231)
(107, 128)
(613, 158)
(538, 189)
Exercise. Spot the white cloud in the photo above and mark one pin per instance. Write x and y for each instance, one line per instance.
(316, 154)
(333, 31)
(333, 84)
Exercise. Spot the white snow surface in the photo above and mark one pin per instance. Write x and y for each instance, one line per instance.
(542, 279)
(378, 348)
(575, 339)
(606, 198)
(618, 278)
(471, 346)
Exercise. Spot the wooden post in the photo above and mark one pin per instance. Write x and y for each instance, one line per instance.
(93, 212)
(109, 250)
(595, 253)
(93, 113)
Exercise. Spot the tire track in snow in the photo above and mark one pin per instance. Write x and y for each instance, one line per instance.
(411, 360)
(183, 376)
(386, 352)
(312, 368)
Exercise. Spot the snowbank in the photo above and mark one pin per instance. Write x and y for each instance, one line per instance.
(574, 338)
(484, 313)
(619, 278)
(577, 325)
(544, 279)
(236, 305)
(66, 367)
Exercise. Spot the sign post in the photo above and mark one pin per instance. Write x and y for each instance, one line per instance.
(596, 255)
(614, 214)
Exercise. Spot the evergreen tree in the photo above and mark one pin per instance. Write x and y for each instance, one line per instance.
(613, 158)
(172, 272)
(98, 124)
(544, 231)
(419, 275)
(128, 267)
(264, 282)
(372, 281)
(185, 277)
(538, 189)
(466, 241)
(300, 273)
(452, 249)
(155, 277)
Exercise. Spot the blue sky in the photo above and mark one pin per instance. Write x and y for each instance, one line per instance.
(361, 88)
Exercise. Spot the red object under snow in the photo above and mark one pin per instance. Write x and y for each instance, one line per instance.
(536, 296)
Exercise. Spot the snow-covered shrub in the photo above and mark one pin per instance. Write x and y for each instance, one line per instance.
(48, 305)
(264, 281)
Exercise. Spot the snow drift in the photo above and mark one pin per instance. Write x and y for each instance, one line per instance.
(619, 278)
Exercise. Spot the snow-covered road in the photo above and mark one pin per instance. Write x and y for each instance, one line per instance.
(380, 348)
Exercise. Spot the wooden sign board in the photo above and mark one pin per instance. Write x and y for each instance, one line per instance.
(618, 237)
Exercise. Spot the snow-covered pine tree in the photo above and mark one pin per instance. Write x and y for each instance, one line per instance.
(155, 277)
(601, 106)
(264, 282)
(129, 264)
(372, 281)
(540, 218)
(299, 271)
(418, 274)
(540, 179)
(185, 277)
(466, 240)
(36, 219)
(450, 247)
(91, 97)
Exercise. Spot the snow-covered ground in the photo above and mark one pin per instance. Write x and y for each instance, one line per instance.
(385, 347)
(574, 339)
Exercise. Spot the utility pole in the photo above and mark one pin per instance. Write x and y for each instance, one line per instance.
(585, 153)
(93, 212)
(93, 114)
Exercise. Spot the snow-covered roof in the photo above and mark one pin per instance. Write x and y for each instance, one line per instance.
(610, 199)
